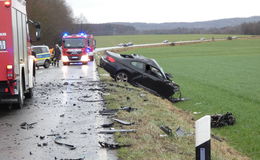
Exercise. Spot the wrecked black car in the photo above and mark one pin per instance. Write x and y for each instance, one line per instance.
(142, 72)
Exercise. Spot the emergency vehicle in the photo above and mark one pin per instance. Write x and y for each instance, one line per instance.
(77, 48)
(43, 55)
(17, 66)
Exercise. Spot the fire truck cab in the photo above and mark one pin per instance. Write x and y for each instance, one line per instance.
(17, 66)
(77, 48)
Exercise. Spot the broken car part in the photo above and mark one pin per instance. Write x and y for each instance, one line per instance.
(107, 125)
(117, 131)
(219, 120)
(113, 146)
(128, 109)
(122, 122)
(166, 130)
(71, 147)
(27, 126)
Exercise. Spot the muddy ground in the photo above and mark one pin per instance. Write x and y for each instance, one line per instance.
(65, 108)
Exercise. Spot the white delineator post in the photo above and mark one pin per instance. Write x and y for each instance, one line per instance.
(203, 138)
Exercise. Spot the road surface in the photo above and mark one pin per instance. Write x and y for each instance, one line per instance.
(66, 103)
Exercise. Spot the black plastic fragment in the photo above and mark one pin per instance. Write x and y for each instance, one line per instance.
(113, 146)
(71, 147)
(219, 120)
(166, 130)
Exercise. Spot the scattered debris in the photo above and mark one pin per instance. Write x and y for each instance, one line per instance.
(166, 130)
(123, 122)
(55, 135)
(180, 132)
(108, 111)
(196, 112)
(71, 147)
(113, 146)
(128, 109)
(217, 138)
(107, 125)
(117, 131)
(42, 137)
(65, 83)
(219, 120)
(27, 126)
(72, 159)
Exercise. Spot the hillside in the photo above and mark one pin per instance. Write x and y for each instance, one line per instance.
(203, 24)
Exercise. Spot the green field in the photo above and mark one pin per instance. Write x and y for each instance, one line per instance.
(108, 41)
(219, 77)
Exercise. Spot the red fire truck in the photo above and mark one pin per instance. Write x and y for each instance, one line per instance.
(77, 48)
(17, 66)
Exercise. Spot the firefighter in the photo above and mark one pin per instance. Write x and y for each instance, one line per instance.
(57, 55)
(52, 55)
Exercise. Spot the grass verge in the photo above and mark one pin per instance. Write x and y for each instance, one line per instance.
(147, 144)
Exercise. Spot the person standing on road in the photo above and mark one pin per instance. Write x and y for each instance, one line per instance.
(57, 55)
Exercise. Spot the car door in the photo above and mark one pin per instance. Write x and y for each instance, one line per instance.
(137, 73)
(154, 79)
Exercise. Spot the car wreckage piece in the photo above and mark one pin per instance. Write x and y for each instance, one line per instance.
(219, 120)
(141, 72)
(113, 146)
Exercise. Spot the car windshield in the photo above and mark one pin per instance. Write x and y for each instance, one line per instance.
(160, 68)
(74, 43)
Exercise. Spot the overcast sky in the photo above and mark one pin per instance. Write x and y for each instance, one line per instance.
(157, 11)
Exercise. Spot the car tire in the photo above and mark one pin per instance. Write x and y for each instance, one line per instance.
(46, 64)
(122, 77)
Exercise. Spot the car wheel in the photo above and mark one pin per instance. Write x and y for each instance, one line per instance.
(20, 101)
(122, 77)
(47, 64)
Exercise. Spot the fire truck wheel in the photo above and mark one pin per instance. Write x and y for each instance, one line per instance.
(47, 64)
(29, 94)
(20, 101)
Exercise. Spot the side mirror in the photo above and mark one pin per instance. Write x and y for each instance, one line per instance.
(38, 31)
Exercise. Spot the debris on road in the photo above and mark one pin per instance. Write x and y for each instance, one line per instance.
(113, 146)
(123, 122)
(108, 111)
(181, 133)
(117, 131)
(219, 120)
(71, 147)
(27, 126)
(107, 125)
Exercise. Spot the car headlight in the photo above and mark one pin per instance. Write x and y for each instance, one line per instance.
(84, 58)
(65, 59)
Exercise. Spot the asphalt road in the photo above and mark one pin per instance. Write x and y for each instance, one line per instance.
(66, 103)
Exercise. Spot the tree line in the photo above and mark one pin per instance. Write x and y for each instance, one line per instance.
(56, 17)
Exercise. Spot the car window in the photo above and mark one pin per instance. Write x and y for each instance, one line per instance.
(154, 71)
(138, 65)
(37, 50)
(45, 49)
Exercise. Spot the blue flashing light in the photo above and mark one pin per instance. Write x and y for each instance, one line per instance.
(65, 34)
(88, 50)
(83, 34)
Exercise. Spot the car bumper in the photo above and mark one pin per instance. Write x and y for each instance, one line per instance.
(107, 66)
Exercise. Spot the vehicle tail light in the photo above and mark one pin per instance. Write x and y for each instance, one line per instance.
(10, 72)
(6, 90)
(7, 3)
(111, 59)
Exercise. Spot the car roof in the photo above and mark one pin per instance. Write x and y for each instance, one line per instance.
(136, 57)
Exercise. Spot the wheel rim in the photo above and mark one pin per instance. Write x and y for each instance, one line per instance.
(122, 77)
